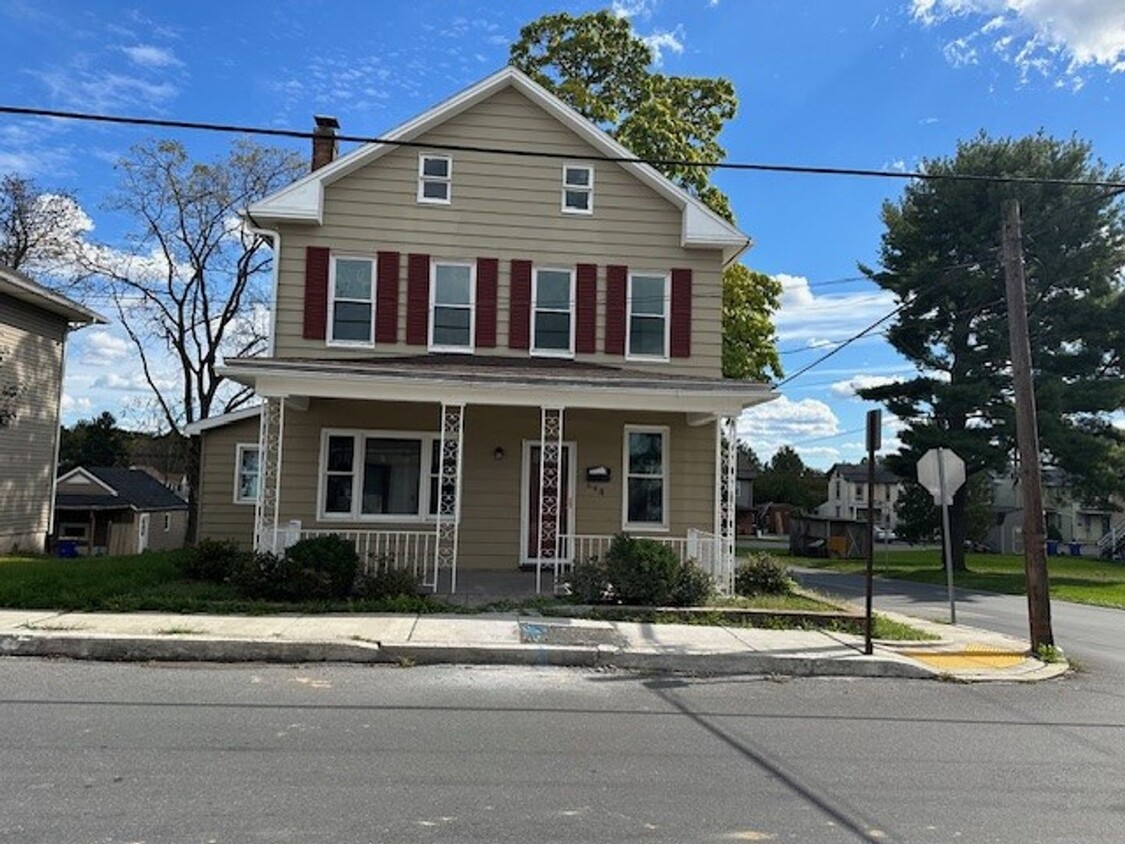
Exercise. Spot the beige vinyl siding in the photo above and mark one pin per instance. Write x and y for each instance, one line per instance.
(491, 506)
(32, 343)
(158, 539)
(219, 516)
(503, 208)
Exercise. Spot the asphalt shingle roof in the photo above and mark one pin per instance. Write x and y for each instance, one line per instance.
(134, 487)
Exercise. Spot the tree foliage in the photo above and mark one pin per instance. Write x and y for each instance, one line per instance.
(940, 255)
(38, 228)
(787, 480)
(596, 64)
(94, 442)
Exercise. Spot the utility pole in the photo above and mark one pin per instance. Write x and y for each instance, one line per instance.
(1027, 433)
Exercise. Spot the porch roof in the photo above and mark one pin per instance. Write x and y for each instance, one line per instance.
(496, 380)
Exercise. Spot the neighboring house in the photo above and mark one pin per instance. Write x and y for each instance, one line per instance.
(485, 360)
(744, 497)
(848, 494)
(34, 324)
(117, 511)
(1087, 527)
(177, 482)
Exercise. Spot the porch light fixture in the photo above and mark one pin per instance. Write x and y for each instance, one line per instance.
(498, 454)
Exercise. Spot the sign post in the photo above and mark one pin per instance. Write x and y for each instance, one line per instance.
(942, 473)
(874, 441)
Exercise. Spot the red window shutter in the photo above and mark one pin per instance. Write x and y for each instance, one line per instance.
(386, 298)
(488, 271)
(586, 309)
(316, 292)
(679, 332)
(418, 300)
(617, 280)
(519, 311)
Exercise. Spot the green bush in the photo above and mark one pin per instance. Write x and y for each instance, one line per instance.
(386, 582)
(213, 561)
(642, 571)
(589, 581)
(269, 577)
(693, 587)
(329, 564)
(762, 574)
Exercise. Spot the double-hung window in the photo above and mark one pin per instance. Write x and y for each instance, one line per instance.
(435, 178)
(578, 189)
(379, 475)
(648, 316)
(452, 296)
(552, 301)
(247, 473)
(646, 478)
(353, 301)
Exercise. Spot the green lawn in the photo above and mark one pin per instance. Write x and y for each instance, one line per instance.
(1077, 579)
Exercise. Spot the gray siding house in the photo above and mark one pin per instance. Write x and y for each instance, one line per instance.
(34, 324)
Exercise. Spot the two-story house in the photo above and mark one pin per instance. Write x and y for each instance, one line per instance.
(34, 325)
(482, 360)
(848, 496)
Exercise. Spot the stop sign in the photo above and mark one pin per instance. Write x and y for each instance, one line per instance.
(942, 473)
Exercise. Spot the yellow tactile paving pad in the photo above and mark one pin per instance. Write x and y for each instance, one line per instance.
(972, 656)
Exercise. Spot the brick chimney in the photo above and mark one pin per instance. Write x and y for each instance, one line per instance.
(324, 145)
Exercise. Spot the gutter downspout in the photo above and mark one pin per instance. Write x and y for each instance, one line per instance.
(58, 443)
(275, 237)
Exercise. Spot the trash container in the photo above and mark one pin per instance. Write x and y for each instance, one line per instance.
(1076, 549)
(1053, 547)
(67, 548)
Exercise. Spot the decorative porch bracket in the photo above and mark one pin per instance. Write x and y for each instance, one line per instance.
(449, 493)
(550, 487)
(269, 475)
(726, 488)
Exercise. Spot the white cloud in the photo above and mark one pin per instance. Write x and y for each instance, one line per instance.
(105, 91)
(1055, 38)
(149, 55)
(815, 319)
(767, 427)
(851, 386)
(78, 405)
(104, 348)
(632, 8)
(662, 40)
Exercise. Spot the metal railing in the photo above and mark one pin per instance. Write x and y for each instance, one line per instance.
(702, 546)
(1112, 544)
(412, 550)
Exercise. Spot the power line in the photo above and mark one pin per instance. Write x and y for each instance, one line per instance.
(814, 170)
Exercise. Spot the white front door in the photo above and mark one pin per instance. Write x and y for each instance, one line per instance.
(142, 533)
(529, 502)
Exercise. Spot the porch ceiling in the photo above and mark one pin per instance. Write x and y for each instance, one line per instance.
(457, 379)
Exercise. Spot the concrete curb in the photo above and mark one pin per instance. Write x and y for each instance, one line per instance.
(121, 648)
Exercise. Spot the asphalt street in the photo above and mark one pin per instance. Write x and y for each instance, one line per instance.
(100, 752)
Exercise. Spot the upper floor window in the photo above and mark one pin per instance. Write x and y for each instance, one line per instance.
(648, 316)
(452, 296)
(859, 491)
(552, 298)
(578, 189)
(352, 305)
(247, 473)
(435, 175)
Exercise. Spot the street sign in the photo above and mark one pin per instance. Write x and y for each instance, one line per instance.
(942, 473)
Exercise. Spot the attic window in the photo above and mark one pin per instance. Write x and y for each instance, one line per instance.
(435, 174)
(578, 189)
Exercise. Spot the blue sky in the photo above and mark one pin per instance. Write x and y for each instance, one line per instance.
(860, 83)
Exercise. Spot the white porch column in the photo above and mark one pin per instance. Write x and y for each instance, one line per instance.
(269, 474)
(449, 493)
(726, 489)
(550, 492)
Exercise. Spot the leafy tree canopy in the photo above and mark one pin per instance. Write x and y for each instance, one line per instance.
(94, 442)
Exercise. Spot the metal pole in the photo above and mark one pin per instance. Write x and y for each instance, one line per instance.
(947, 544)
(868, 622)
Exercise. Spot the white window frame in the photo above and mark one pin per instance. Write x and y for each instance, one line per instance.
(359, 447)
(472, 306)
(629, 355)
(423, 179)
(588, 189)
(238, 450)
(666, 438)
(167, 522)
(568, 352)
(353, 344)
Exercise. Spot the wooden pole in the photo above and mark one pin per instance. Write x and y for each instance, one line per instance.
(1027, 433)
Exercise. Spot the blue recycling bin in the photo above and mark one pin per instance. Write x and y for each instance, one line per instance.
(1053, 547)
(1076, 549)
(66, 548)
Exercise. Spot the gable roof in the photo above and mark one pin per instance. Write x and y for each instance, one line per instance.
(857, 473)
(131, 489)
(222, 419)
(303, 201)
(19, 286)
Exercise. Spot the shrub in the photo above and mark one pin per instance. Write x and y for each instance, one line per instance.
(762, 574)
(693, 587)
(328, 564)
(386, 582)
(268, 577)
(589, 581)
(642, 571)
(213, 561)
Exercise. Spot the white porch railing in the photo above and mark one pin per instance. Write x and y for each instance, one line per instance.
(1112, 544)
(412, 550)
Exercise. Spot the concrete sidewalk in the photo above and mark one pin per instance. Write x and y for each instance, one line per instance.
(508, 638)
